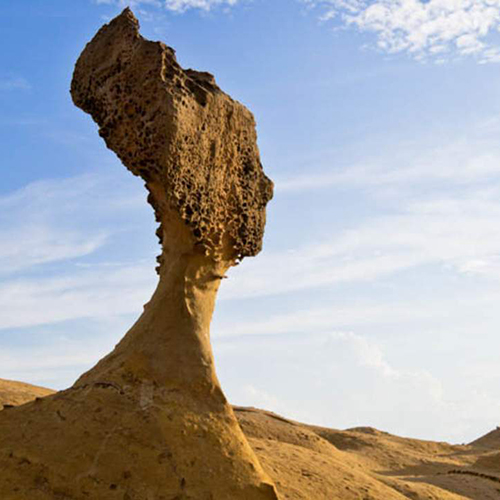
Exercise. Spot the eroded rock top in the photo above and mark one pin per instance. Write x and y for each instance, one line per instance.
(195, 147)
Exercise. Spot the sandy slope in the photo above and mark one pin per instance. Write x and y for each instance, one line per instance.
(18, 393)
(315, 463)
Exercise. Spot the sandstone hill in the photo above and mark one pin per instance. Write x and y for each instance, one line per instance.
(17, 393)
(315, 463)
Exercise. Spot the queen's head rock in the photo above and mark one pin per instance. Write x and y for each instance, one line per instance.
(194, 146)
(150, 420)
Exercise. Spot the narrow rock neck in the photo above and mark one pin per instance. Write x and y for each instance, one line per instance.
(169, 345)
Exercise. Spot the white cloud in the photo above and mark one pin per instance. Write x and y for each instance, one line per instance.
(95, 292)
(433, 29)
(53, 221)
(129, 3)
(450, 232)
(315, 266)
(438, 207)
(459, 162)
(439, 158)
(14, 83)
(260, 398)
(31, 245)
(340, 379)
(426, 227)
(335, 316)
(182, 5)
(34, 231)
(50, 235)
(173, 5)
(56, 354)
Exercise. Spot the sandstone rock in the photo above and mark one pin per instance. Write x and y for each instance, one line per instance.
(195, 147)
(150, 421)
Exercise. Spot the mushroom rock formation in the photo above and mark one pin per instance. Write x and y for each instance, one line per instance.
(150, 421)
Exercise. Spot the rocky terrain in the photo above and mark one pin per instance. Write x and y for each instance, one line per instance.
(314, 463)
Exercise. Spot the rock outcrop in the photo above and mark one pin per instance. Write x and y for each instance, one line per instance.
(316, 463)
(150, 421)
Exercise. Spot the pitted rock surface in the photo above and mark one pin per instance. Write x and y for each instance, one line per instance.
(195, 147)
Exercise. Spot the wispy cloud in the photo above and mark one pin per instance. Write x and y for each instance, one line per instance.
(34, 231)
(56, 354)
(433, 29)
(95, 292)
(172, 5)
(182, 5)
(22, 121)
(8, 83)
(51, 233)
(457, 232)
(316, 266)
(435, 160)
(51, 221)
(346, 379)
(332, 371)
(334, 317)
(460, 162)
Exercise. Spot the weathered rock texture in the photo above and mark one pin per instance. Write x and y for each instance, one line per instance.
(195, 147)
(149, 421)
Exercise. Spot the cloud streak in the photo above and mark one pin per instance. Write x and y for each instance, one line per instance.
(86, 293)
(13, 83)
(457, 233)
(172, 5)
(459, 163)
(51, 236)
(52, 221)
(183, 5)
(333, 388)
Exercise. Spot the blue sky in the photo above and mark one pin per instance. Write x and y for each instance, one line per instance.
(375, 300)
